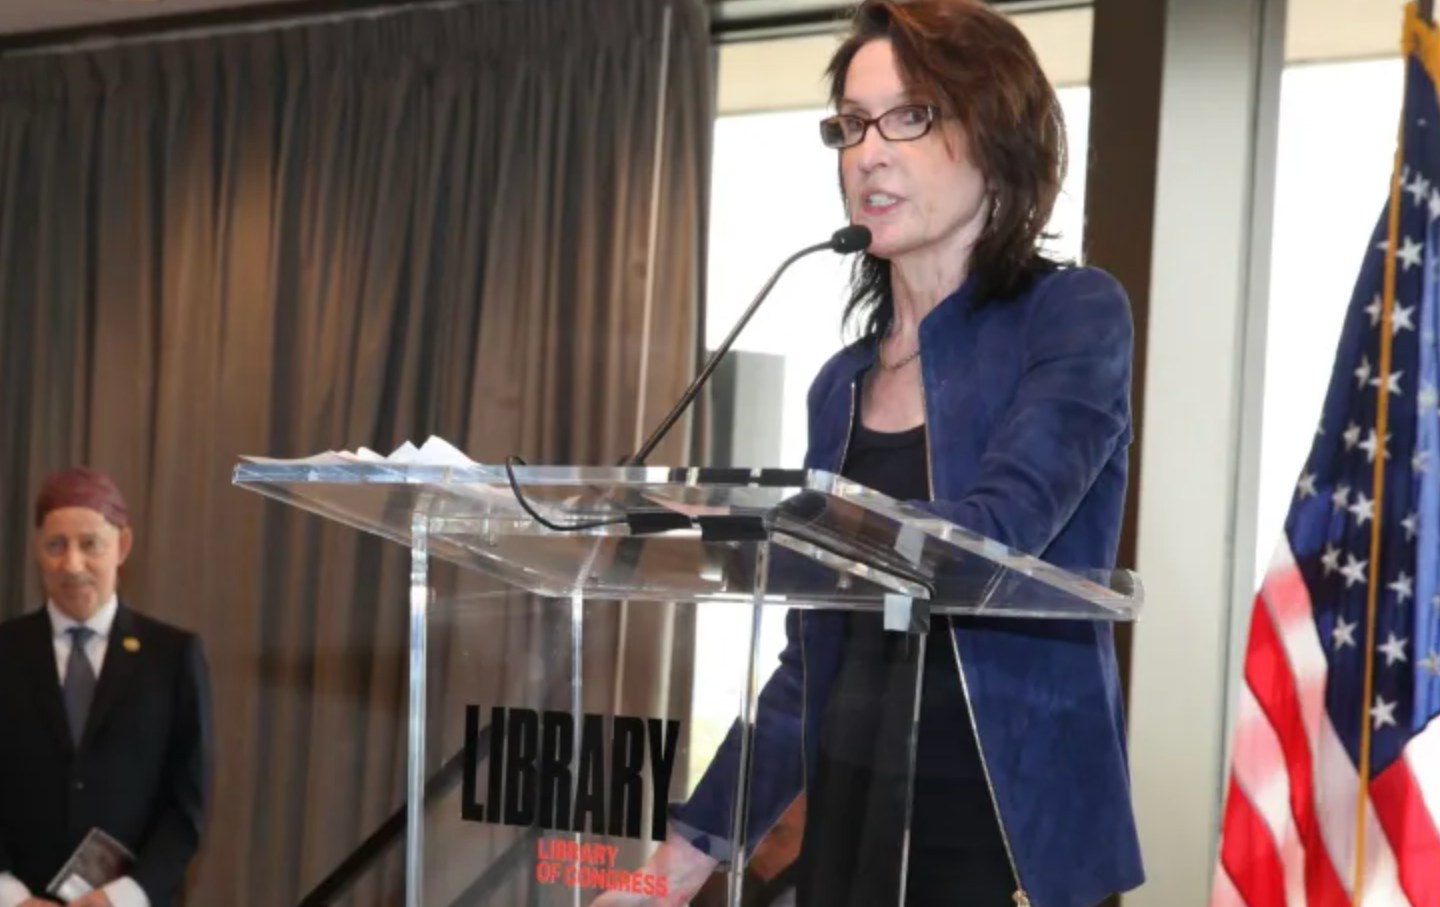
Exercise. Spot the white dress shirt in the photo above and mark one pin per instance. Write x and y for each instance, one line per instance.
(95, 647)
(123, 892)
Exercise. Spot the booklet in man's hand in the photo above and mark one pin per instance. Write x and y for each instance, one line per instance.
(98, 861)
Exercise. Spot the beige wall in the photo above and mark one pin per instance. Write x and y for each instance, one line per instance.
(1317, 30)
(786, 74)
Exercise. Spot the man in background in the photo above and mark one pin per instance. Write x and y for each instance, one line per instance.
(105, 714)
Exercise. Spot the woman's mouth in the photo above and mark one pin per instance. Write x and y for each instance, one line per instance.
(877, 204)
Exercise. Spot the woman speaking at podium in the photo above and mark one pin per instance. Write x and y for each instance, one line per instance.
(992, 384)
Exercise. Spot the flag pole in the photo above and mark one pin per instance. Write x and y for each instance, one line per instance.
(1382, 429)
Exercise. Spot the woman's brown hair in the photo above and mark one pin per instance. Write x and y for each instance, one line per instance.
(977, 67)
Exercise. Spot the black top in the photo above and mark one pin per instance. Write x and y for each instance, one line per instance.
(892, 463)
(896, 464)
(849, 857)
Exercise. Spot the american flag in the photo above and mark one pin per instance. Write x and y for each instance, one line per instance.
(1334, 789)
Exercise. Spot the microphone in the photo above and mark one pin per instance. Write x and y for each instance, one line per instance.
(849, 239)
(853, 238)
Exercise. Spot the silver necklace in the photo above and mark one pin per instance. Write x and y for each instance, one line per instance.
(901, 362)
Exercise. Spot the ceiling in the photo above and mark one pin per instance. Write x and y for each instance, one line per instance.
(45, 15)
(1317, 29)
(731, 18)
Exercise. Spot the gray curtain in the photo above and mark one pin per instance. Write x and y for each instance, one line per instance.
(317, 237)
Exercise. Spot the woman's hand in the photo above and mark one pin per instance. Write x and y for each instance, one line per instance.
(676, 860)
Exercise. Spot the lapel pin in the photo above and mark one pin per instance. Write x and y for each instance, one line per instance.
(131, 644)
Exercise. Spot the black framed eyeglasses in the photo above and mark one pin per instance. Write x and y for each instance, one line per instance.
(898, 124)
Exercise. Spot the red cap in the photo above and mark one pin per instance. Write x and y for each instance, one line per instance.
(81, 487)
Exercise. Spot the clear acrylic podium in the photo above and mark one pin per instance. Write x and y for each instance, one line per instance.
(590, 650)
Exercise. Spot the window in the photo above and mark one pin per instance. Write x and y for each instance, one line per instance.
(1336, 145)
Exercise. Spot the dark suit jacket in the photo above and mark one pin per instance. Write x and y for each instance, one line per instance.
(142, 771)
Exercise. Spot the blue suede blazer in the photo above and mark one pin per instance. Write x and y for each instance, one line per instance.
(1027, 406)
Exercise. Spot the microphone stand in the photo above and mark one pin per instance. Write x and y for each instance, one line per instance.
(846, 239)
